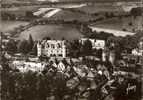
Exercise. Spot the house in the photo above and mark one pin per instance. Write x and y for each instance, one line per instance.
(24, 66)
(61, 67)
(50, 48)
(138, 51)
(96, 44)
(82, 41)
(99, 44)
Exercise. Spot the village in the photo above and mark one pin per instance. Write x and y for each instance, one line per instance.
(65, 53)
(93, 61)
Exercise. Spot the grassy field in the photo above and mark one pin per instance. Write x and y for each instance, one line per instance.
(38, 32)
(6, 26)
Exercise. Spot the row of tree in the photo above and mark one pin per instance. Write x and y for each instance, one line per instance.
(25, 16)
(22, 46)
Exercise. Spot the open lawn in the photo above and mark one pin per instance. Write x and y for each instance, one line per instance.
(38, 32)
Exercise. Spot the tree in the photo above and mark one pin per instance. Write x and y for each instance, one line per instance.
(136, 11)
(3, 60)
(30, 42)
(47, 38)
(115, 44)
(84, 29)
(11, 46)
(130, 24)
(102, 35)
(99, 53)
(111, 42)
(106, 14)
(34, 49)
(87, 48)
(23, 47)
(74, 48)
(29, 14)
(129, 42)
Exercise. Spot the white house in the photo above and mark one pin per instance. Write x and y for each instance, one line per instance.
(82, 40)
(61, 67)
(24, 66)
(138, 51)
(96, 44)
(99, 44)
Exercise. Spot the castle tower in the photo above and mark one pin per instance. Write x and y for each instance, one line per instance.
(39, 49)
(141, 44)
(64, 49)
(103, 56)
(112, 57)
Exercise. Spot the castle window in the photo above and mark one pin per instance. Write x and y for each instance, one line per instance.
(54, 55)
(52, 46)
(60, 54)
(47, 45)
(43, 46)
(58, 45)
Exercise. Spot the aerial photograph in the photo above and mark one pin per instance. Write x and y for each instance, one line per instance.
(71, 49)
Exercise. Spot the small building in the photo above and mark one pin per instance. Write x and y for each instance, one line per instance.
(50, 48)
(99, 44)
(24, 66)
(96, 44)
(133, 59)
(138, 51)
